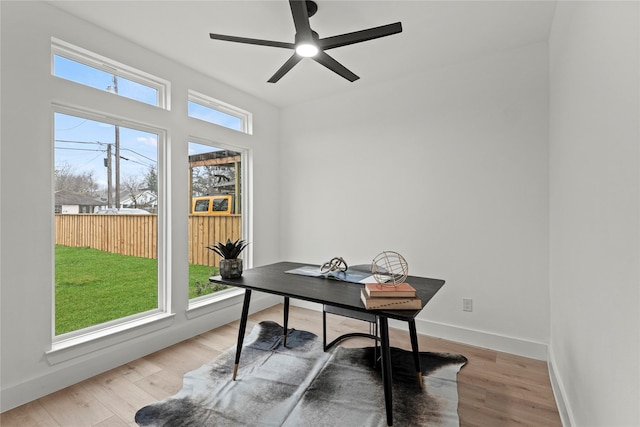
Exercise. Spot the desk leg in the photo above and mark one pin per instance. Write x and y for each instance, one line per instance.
(387, 381)
(324, 329)
(416, 350)
(243, 326)
(286, 320)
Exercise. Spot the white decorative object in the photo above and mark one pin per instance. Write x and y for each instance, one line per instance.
(389, 268)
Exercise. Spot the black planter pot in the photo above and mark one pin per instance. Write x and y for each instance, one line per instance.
(231, 268)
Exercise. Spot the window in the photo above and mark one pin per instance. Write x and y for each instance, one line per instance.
(215, 212)
(214, 205)
(201, 205)
(219, 113)
(81, 66)
(111, 254)
(221, 205)
(106, 266)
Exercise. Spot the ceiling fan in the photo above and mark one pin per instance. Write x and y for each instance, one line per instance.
(309, 45)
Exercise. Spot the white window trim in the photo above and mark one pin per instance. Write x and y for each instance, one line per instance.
(206, 304)
(217, 300)
(92, 59)
(245, 116)
(86, 340)
(117, 332)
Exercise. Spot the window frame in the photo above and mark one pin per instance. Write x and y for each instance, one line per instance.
(206, 304)
(215, 104)
(86, 101)
(64, 341)
(102, 63)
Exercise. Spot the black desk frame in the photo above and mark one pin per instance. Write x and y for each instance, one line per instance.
(273, 279)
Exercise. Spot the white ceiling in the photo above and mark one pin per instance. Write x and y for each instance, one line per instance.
(435, 33)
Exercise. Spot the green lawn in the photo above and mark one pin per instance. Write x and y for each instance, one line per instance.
(94, 287)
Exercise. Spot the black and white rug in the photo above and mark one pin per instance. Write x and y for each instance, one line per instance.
(301, 385)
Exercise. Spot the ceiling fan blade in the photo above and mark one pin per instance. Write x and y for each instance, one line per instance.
(252, 41)
(295, 58)
(301, 17)
(335, 66)
(360, 36)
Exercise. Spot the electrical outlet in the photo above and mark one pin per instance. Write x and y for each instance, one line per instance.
(467, 304)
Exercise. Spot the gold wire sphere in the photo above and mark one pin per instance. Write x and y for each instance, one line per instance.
(389, 268)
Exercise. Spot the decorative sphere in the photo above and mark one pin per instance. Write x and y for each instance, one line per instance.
(389, 268)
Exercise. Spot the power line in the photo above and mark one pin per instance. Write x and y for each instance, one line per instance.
(153, 161)
(71, 141)
(79, 149)
(141, 155)
(121, 157)
(78, 125)
(134, 161)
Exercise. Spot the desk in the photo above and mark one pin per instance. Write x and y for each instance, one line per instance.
(272, 279)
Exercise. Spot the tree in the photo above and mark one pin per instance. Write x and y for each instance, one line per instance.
(151, 179)
(135, 187)
(66, 179)
(207, 180)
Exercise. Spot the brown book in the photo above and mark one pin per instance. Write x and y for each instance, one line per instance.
(376, 290)
(390, 303)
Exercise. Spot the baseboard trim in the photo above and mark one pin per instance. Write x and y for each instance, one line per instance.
(517, 346)
(497, 342)
(566, 416)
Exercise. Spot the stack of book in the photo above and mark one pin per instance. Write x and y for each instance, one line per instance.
(399, 297)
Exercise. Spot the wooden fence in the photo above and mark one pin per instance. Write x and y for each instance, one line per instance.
(206, 230)
(136, 235)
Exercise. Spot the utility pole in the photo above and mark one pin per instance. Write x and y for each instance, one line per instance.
(109, 185)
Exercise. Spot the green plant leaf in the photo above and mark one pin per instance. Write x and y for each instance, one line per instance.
(229, 250)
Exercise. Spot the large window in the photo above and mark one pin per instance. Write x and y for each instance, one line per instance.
(112, 234)
(215, 212)
(106, 222)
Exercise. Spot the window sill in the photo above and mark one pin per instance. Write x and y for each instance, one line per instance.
(210, 303)
(67, 349)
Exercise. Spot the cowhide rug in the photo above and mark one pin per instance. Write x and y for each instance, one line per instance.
(300, 385)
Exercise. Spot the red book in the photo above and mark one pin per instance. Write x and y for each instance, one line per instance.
(401, 290)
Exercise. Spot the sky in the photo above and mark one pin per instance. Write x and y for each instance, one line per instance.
(82, 144)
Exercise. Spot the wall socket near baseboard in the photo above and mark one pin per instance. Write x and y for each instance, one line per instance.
(467, 304)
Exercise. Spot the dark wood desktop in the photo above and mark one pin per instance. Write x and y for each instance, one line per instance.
(272, 279)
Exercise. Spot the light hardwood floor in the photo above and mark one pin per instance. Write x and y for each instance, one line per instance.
(495, 389)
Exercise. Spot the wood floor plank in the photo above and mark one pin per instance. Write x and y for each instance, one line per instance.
(138, 369)
(114, 421)
(520, 409)
(162, 384)
(73, 406)
(121, 396)
(494, 388)
(218, 338)
(30, 414)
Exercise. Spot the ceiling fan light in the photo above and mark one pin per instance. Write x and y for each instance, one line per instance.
(307, 49)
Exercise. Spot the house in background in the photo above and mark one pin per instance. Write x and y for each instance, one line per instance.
(67, 202)
(513, 173)
(146, 199)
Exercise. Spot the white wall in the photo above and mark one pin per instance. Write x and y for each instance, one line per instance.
(448, 167)
(595, 211)
(28, 90)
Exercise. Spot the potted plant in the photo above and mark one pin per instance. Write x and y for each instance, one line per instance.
(230, 264)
